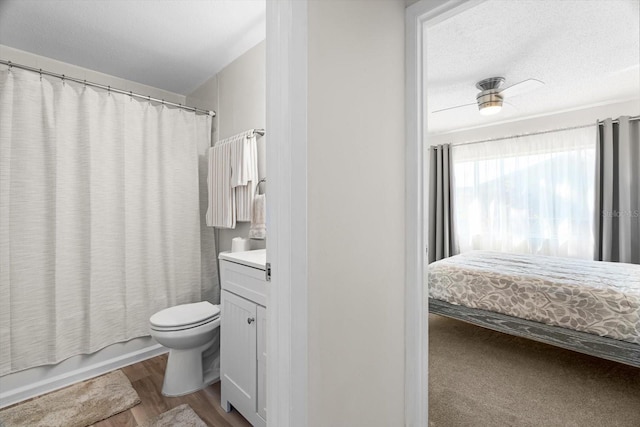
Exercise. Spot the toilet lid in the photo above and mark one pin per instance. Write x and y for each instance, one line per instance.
(185, 314)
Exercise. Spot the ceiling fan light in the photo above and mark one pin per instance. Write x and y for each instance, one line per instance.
(490, 108)
(489, 102)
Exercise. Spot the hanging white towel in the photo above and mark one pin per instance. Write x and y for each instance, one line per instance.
(258, 228)
(221, 210)
(247, 177)
(237, 159)
(233, 174)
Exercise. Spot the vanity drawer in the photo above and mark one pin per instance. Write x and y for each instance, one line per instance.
(245, 281)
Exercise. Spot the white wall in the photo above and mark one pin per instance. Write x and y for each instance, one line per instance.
(238, 95)
(356, 213)
(553, 121)
(32, 60)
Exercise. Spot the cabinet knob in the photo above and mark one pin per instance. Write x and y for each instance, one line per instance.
(250, 320)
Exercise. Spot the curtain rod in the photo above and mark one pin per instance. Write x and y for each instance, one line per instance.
(256, 131)
(631, 119)
(108, 88)
(453, 144)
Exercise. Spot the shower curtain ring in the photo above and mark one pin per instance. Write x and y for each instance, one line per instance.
(63, 80)
(40, 74)
(130, 95)
(10, 65)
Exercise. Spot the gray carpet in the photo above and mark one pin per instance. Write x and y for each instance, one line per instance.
(479, 378)
(79, 405)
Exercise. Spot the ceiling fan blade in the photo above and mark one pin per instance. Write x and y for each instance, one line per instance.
(453, 108)
(511, 105)
(521, 87)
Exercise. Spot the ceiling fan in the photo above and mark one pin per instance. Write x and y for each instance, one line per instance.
(491, 97)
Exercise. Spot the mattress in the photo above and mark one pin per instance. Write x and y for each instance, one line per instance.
(601, 298)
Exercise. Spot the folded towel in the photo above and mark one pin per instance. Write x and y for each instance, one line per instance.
(258, 228)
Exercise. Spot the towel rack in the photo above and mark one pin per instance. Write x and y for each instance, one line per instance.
(246, 134)
(258, 186)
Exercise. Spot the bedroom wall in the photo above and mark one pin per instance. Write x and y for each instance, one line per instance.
(356, 213)
(238, 95)
(552, 121)
(561, 120)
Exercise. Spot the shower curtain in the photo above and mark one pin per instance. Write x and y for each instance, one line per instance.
(101, 222)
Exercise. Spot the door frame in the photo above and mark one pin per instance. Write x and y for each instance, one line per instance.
(286, 149)
(418, 16)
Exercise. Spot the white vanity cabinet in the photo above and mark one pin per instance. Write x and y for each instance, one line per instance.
(242, 334)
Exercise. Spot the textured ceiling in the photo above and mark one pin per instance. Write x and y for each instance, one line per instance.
(170, 44)
(586, 51)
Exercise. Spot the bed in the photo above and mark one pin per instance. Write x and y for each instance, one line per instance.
(586, 306)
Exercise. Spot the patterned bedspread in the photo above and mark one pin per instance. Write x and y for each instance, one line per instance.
(601, 298)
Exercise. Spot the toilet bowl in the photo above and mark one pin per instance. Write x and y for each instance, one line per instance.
(189, 331)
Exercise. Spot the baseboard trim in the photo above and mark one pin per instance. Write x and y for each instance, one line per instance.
(13, 396)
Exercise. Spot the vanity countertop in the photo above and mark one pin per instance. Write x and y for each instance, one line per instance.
(256, 258)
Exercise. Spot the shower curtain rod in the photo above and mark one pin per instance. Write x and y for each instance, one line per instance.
(453, 144)
(106, 87)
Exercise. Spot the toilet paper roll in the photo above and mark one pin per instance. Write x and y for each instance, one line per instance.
(240, 244)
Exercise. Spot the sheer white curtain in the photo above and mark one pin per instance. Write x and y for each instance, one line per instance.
(529, 194)
(100, 222)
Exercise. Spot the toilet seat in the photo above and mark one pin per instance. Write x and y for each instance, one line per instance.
(184, 316)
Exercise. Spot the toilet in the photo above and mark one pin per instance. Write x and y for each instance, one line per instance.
(189, 331)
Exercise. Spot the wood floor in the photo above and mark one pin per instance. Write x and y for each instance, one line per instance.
(146, 378)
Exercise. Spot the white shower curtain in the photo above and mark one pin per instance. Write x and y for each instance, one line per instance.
(100, 222)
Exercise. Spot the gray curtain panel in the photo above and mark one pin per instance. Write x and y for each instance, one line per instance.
(617, 207)
(440, 232)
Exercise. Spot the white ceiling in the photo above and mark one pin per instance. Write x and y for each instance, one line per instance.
(586, 51)
(170, 44)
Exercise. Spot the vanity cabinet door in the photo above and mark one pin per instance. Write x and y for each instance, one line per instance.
(238, 367)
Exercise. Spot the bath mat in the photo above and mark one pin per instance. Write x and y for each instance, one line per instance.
(180, 416)
(78, 405)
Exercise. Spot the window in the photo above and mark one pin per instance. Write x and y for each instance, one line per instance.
(530, 194)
